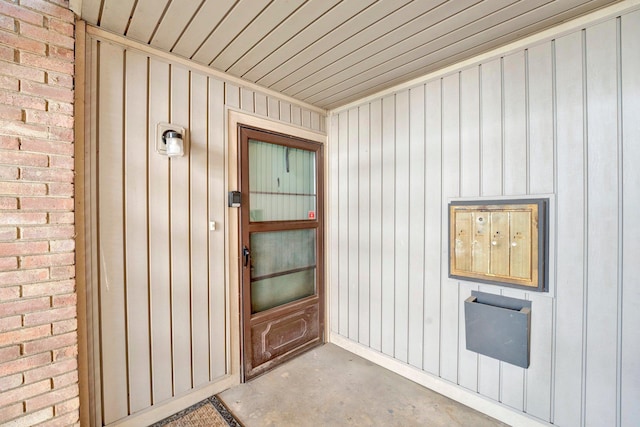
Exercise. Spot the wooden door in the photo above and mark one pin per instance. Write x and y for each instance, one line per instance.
(282, 266)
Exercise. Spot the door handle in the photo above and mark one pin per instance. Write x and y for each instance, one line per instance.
(245, 255)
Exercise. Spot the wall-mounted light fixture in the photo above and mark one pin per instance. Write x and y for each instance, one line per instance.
(170, 140)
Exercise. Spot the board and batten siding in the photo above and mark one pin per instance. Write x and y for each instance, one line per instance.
(559, 119)
(157, 275)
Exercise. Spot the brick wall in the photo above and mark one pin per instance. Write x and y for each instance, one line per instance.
(38, 339)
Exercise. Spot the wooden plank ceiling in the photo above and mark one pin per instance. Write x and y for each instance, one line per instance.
(329, 52)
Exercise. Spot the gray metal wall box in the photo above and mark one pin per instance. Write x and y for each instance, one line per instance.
(498, 327)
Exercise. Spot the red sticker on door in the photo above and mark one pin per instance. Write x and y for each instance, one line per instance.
(312, 214)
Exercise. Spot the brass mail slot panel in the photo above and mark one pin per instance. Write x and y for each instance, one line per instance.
(499, 241)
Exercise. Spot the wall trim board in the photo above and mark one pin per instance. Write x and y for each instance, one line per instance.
(623, 7)
(446, 388)
(108, 36)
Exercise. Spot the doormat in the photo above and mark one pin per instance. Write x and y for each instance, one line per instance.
(208, 413)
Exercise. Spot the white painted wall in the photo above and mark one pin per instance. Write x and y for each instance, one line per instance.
(560, 119)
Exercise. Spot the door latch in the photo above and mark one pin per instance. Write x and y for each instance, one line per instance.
(245, 256)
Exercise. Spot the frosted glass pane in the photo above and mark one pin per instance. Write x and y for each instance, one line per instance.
(282, 182)
(275, 291)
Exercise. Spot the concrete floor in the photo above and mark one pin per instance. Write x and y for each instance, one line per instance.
(329, 386)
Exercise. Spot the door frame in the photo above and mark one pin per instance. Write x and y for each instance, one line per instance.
(233, 229)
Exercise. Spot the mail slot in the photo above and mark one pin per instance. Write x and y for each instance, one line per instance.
(498, 327)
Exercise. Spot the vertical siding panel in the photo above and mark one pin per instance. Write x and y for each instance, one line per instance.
(570, 230)
(296, 115)
(217, 245)
(402, 226)
(416, 258)
(285, 112)
(515, 127)
(274, 108)
(352, 224)
(136, 232)
(388, 218)
(306, 118)
(491, 185)
(199, 230)
(247, 102)
(602, 211)
(630, 369)
(364, 224)
(433, 223)
(111, 232)
(469, 187)
(261, 104)
(512, 386)
(334, 221)
(450, 188)
(343, 232)
(375, 330)
(232, 95)
(540, 120)
(538, 376)
(159, 236)
(315, 120)
(180, 254)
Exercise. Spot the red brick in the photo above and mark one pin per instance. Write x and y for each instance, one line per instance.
(8, 172)
(49, 8)
(49, 118)
(33, 418)
(24, 306)
(37, 333)
(61, 53)
(68, 406)
(50, 343)
(47, 175)
(34, 44)
(19, 218)
(50, 399)
(9, 293)
(9, 142)
(47, 232)
(65, 353)
(8, 203)
(65, 380)
(20, 13)
(22, 248)
(64, 326)
(8, 263)
(21, 100)
(62, 245)
(59, 79)
(12, 381)
(9, 324)
(46, 203)
(46, 91)
(21, 72)
(50, 370)
(12, 411)
(6, 53)
(9, 353)
(7, 23)
(46, 62)
(8, 233)
(60, 189)
(65, 300)
(23, 158)
(24, 276)
(61, 27)
(61, 218)
(44, 146)
(23, 129)
(49, 316)
(59, 273)
(9, 83)
(70, 419)
(62, 162)
(18, 188)
(34, 261)
(50, 37)
(10, 113)
(25, 392)
(48, 288)
(60, 107)
(22, 364)
(61, 134)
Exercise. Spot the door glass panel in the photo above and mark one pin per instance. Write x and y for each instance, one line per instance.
(283, 267)
(282, 182)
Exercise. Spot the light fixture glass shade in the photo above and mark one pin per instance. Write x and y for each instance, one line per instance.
(173, 140)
